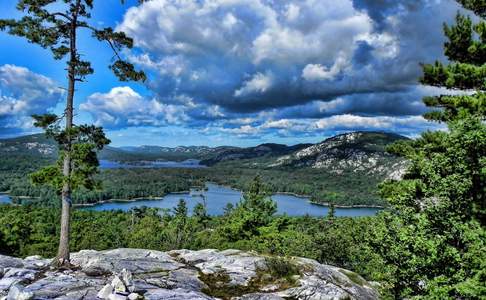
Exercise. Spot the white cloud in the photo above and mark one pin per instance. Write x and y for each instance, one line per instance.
(318, 72)
(122, 107)
(278, 124)
(292, 12)
(23, 93)
(259, 83)
(230, 21)
(408, 125)
(260, 66)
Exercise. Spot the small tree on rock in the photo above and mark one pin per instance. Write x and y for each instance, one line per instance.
(54, 25)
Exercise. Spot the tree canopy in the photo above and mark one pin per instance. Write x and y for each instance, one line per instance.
(435, 238)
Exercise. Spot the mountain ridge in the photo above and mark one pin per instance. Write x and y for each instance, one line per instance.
(358, 151)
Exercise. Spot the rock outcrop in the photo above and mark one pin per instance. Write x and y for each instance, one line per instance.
(181, 274)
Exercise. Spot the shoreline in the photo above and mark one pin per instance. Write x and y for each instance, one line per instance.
(349, 206)
(115, 200)
(326, 204)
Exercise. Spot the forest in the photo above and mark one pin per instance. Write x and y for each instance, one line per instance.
(429, 242)
(345, 189)
(375, 247)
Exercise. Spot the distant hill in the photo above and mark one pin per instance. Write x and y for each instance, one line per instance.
(29, 145)
(359, 151)
(261, 151)
(345, 168)
(356, 151)
(38, 146)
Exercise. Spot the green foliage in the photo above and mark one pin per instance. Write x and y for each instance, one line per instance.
(254, 211)
(280, 267)
(477, 6)
(433, 244)
(28, 230)
(201, 215)
(54, 30)
(81, 143)
(57, 30)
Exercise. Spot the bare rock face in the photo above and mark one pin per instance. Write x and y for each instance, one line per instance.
(179, 275)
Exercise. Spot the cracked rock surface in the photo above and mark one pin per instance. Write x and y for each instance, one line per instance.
(177, 275)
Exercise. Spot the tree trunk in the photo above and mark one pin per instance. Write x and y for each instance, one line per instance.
(63, 254)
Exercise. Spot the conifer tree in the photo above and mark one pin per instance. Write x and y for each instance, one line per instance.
(55, 25)
(435, 240)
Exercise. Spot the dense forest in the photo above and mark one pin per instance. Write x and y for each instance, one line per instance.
(344, 189)
(346, 185)
(252, 225)
(375, 247)
(349, 188)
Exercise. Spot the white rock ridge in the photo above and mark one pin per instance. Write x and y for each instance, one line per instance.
(178, 275)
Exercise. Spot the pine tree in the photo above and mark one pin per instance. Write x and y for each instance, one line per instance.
(435, 240)
(254, 211)
(55, 25)
(180, 220)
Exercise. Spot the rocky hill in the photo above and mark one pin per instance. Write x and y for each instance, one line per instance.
(179, 275)
(267, 151)
(29, 145)
(356, 151)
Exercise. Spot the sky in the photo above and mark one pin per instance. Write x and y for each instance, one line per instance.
(238, 72)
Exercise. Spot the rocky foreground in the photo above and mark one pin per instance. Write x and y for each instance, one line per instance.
(182, 274)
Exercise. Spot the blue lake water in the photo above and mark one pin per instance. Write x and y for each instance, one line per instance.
(217, 197)
(190, 164)
(4, 198)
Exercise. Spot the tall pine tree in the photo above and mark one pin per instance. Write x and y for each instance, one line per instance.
(435, 240)
(55, 25)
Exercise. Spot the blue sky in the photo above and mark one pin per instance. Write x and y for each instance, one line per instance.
(239, 72)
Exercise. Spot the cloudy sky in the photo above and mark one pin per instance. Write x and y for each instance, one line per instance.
(239, 72)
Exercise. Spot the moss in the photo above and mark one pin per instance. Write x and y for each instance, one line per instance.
(218, 286)
(281, 268)
(354, 277)
(174, 254)
(275, 271)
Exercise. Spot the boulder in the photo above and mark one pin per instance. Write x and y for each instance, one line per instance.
(17, 292)
(182, 274)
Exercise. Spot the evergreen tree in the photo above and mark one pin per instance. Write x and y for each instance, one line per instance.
(55, 25)
(201, 214)
(435, 241)
(331, 214)
(254, 211)
(180, 221)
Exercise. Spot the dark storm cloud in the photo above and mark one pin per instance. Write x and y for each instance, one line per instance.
(215, 63)
(380, 10)
(252, 55)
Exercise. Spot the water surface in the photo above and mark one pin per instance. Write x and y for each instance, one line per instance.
(4, 199)
(186, 164)
(217, 197)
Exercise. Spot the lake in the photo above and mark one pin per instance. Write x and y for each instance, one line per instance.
(186, 164)
(4, 198)
(217, 197)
